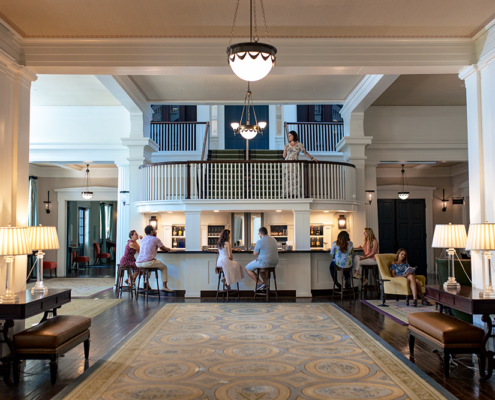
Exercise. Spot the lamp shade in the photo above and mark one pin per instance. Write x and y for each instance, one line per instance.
(14, 242)
(481, 237)
(449, 236)
(43, 237)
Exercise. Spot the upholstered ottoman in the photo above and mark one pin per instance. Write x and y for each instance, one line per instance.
(51, 339)
(447, 334)
(51, 265)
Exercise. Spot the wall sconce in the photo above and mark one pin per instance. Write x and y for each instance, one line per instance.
(444, 202)
(153, 222)
(342, 222)
(124, 196)
(47, 204)
(370, 195)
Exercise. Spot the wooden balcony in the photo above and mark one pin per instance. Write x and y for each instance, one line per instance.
(247, 181)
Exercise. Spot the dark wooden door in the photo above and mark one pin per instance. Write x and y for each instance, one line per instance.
(237, 142)
(402, 224)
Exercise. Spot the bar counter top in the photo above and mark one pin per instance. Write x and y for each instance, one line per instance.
(239, 252)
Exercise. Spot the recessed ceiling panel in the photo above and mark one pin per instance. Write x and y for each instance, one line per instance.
(285, 18)
(229, 88)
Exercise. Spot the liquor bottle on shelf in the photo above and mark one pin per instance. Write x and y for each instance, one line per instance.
(312, 230)
(180, 231)
(174, 232)
(174, 243)
(318, 242)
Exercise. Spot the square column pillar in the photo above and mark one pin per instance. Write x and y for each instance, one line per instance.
(123, 210)
(302, 225)
(193, 230)
(370, 184)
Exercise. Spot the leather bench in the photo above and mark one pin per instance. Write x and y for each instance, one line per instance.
(447, 334)
(51, 339)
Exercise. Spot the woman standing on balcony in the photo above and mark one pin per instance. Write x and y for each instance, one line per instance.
(232, 270)
(291, 171)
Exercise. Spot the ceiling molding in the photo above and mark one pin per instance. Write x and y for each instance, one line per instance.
(60, 172)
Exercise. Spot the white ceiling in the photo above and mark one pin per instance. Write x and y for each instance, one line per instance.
(218, 89)
(70, 90)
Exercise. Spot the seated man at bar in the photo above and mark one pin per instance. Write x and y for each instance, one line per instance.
(267, 252)
(147, 256)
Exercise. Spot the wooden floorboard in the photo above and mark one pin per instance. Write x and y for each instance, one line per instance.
(121, 319)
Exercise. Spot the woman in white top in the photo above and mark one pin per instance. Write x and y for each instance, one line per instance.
(232, 270)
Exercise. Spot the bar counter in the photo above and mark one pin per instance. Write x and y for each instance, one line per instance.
(298, 271)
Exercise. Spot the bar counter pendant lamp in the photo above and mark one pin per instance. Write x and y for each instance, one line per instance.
(13, 242)
(153, 222)
(342, 222)
(403, 195)
(87, 193)
(481, 237)
(251, 61)
(450, 237)
(41, 238)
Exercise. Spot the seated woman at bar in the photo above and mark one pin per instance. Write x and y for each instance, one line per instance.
(128, 259)
(291, 172)
(370, 248)
(342, 251)
(232, 270)
(399, 269)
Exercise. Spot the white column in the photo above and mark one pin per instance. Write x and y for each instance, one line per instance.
(15, 89)
(480, 96)
(370, 184)
(302, 225)
(122, 210)
(193, 230)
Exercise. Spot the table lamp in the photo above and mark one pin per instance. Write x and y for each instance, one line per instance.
(481, 237)
(13, 242)
(41, 238)
(450, 237)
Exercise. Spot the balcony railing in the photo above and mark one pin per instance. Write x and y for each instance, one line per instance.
(247, 180)
(317, 136)
(179, 136)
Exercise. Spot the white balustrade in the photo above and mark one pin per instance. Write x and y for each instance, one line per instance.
(250, 180)
(317, 136)
(178, 136)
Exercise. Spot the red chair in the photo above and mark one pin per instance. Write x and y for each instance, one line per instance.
(99, 255)
(51, 265)
(77, 259)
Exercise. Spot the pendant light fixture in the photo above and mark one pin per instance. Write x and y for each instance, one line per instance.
(403, 195)
(251, 61)
(87, 193)
(248, 131)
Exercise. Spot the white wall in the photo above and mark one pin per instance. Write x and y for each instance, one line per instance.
(79, 124)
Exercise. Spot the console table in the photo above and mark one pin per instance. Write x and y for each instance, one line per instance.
(468, 300)
(29, 305)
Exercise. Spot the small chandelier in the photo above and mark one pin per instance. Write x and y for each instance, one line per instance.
(251, 61)
(87, 193)
(403, 195)
(248, 131)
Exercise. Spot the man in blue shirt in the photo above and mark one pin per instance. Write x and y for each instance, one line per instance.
(266, 250)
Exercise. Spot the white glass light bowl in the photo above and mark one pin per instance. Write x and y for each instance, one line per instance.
(251, 61)
(247, 132)
(87, 195)
(403, 195)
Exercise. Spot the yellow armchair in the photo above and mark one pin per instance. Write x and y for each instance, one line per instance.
(398, 285)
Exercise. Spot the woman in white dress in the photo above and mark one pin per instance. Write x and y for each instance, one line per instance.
(291, 171)
(232, 270)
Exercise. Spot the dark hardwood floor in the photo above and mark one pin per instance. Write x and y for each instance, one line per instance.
(123, 318)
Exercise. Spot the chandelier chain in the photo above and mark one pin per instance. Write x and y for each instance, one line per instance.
(256, 38)
(264, 19)
(233, 24)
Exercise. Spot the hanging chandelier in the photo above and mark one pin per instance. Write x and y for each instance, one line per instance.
(251, 61)
(87, 193)
(248, 131)
(403, 195)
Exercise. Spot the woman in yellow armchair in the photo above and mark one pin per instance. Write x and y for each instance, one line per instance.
(401, 268)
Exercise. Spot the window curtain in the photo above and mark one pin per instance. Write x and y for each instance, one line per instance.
(33, 202)
(103, 228)
(110, 222)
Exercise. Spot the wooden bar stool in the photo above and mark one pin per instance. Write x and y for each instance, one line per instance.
(268, 272)
(368, 271)
(225, 289)
(120, 287)
(146, 290)
(343, 291)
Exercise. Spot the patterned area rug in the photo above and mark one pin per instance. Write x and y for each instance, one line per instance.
(86, 307)
(398, 310)
(254, 352)
(81, 287)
